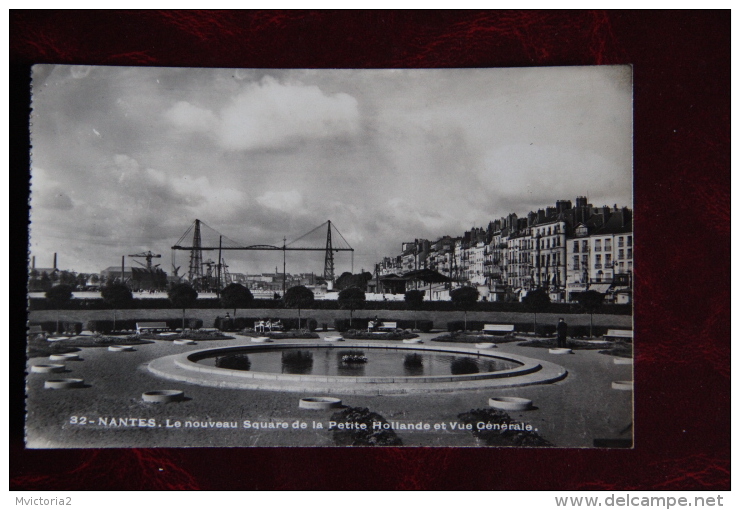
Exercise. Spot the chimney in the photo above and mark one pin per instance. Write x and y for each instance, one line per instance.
(33, 262)
(55, 260)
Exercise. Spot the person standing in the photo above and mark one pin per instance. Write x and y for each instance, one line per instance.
(562, 331)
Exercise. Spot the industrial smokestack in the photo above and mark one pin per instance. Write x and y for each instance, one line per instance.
(55, 260)
(33, 262)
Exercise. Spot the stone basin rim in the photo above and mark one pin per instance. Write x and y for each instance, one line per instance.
(184, 367)
(188, 361)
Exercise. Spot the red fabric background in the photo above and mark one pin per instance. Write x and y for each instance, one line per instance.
(682, 231)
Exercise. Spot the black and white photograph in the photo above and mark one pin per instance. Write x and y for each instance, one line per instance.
(330, 258)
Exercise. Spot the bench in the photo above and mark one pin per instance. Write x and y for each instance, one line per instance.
(382, 325)
(498, 328)
(268, 325)
(151, 327)
(619, 334)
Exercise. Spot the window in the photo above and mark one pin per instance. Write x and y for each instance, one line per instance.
(608, 259)
(576, 266)
(584, 245)
(597, 245)
(620, 254)
(620, 242)
(629, 240)
(607, 245)
(629, 253)
(575, 247)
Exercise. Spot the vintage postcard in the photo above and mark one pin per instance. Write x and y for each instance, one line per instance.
(266, 257)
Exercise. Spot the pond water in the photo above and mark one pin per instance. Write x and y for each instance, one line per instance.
(358, 362)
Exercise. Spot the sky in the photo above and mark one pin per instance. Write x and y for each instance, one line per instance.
(124, 159)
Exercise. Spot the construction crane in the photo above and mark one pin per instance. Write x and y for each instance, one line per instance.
(226, 277)
(148, 255)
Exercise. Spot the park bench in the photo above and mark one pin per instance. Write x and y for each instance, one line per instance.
(498, 328)
(617, 334)
(392, 326)
(268, 325)
(151, 327)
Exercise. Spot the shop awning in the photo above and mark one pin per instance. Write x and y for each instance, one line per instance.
(600, 287)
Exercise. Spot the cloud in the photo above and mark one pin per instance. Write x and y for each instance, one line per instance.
(269, 115)
(191, 118)
(524, 173)
(55, 199)
(286, 201)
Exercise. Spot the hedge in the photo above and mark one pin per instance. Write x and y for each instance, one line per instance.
(106, 325)
(240, 323)
(439, 306)
(424, 325)
(66, 327)
(528, 327)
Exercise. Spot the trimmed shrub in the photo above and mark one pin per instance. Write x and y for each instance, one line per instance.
(425, 326)
(369, 436)
(65, 327)
(342, 325)
(460, 325)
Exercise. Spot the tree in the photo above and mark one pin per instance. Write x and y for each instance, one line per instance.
(343, 282)
(236, 295)
(58, 296)
(298, 297)
(536, 301)
(182, 296)
(414, 299)
(464, 297)
(590, 302)
(117, 295)
(33, 280)
(67, 277)
(45, 281)
(351, 299)
(347, 280)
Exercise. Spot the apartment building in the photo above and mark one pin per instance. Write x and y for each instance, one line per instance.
(564, 249)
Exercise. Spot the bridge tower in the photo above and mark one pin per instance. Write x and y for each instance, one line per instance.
(195, 273)
(329, 257)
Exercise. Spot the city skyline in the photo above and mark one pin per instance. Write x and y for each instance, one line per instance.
(124, 159)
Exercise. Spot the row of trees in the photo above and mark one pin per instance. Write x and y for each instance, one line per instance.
(184, 296)
(235, 296)
(118, 295)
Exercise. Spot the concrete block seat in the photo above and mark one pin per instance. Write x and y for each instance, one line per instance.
(498, 328)
(618, 334)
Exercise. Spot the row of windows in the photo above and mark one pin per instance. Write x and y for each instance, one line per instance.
(583, 245)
